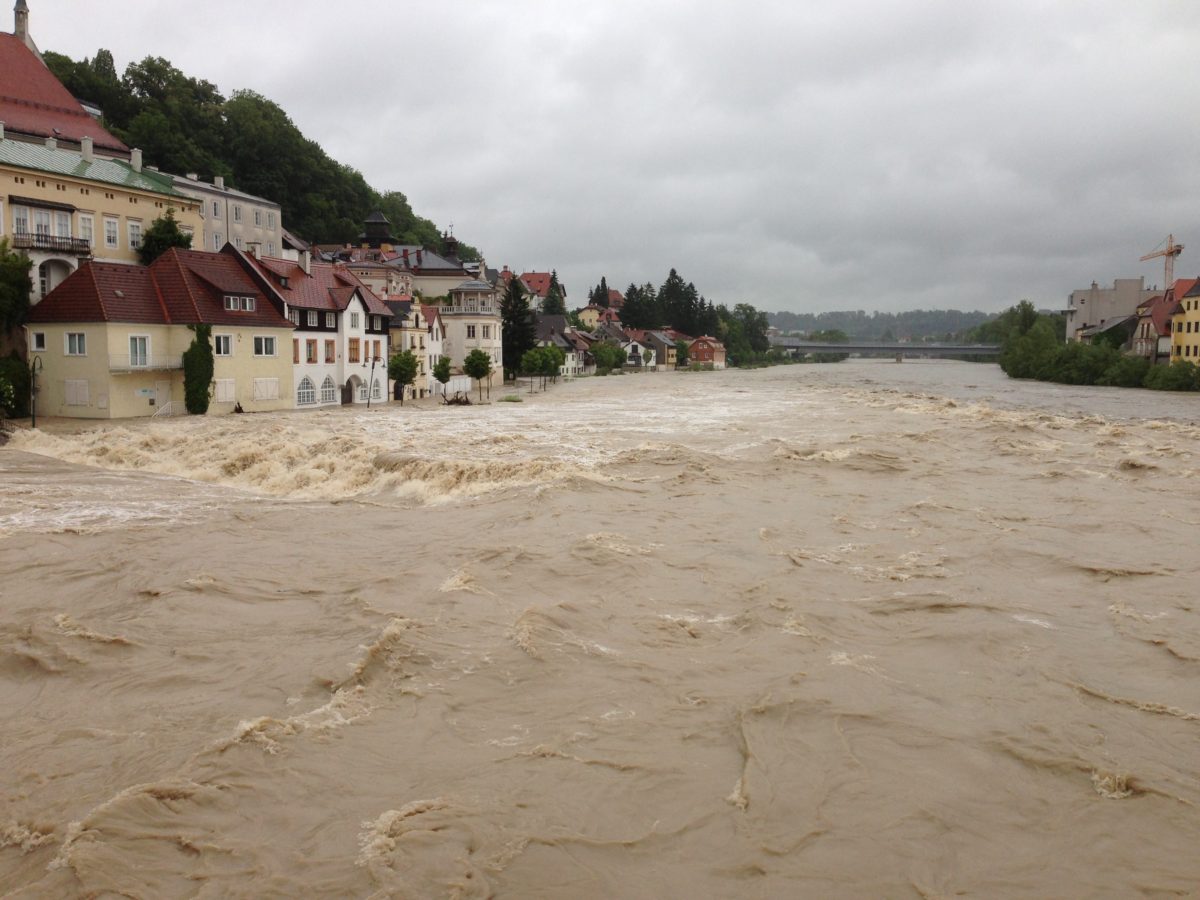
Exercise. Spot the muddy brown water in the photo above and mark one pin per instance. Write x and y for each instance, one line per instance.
(862, 630)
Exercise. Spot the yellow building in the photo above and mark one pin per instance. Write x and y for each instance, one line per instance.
(1185, 323)
(108, 342)
(64, 206)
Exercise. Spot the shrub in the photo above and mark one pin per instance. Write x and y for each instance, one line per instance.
(511, 398)
(1180, 375)
(198, 371)
(1128, 371)
(14, 371)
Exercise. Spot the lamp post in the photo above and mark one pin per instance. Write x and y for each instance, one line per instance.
(35, 366)
(371, 381)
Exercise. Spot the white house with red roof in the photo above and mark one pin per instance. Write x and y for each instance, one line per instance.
(340, 342)
(109, 340)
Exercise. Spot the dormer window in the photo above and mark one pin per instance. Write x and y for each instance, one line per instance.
(239, 304)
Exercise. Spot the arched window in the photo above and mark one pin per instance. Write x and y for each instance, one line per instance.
(328, 390)
(362, 391)
(306, 394)
(376, 390)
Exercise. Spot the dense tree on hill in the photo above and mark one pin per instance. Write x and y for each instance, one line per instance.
(183, 124)
(641, 307)
(860, 325)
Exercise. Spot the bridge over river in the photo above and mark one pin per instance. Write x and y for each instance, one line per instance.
(797, 346)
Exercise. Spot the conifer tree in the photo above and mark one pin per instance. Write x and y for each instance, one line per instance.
(518, 330)
(554, 305)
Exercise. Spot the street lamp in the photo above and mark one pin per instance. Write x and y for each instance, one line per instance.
(371, 381)
(35, 366)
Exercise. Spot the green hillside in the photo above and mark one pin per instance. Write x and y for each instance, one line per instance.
(183, 124)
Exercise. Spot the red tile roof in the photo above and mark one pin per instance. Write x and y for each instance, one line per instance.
(327, 286)
(34, 102)
(430, 313)
(539, 283)
(615, 298)
(181, 287)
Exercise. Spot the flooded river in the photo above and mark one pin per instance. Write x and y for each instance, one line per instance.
(862, 630)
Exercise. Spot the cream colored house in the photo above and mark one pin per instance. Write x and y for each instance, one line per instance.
(64, 206)
(471, 321)
(109, 341)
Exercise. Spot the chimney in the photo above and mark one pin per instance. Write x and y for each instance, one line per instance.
(306, 262)
(192, 176)
(51, 144)
(21, 22)
(135, 159)
(253, 248)
(219, 181)
(405, 255)
(85, 149)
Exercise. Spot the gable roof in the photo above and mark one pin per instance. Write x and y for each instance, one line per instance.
(181, 287)
(35, 103)
(326, 286)
(539, 283)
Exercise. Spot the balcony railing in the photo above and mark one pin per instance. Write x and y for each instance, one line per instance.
(470, 309)
(123, 362)
(27, 241)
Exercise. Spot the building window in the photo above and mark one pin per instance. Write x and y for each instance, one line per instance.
(330, 351)
(258, 218)
(223, 344)
(376, 391)
(295, 351)
(62, 224)
(294, 316)
(237, 241)
(111, 233)
(266, 388)
(353, 320)
(330, 320)
(37, 340)
(310, 351)
(264, 345)
(87, 229)
(375, 323)
(362, 392)
(312, 318)
(20, 220)
(270, 248)
(328, 390)
(225, 390)
(41, 222)
(218, 243)
(237, 213)
(76, 343)
(306, 394)
(216, 210)
(487, 331)
(353, 355)
(470, 331)
(247, 304)
(135, 235)
(271, 220)
(139, 351)
(375, 350)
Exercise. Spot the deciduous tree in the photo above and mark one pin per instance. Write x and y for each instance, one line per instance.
(402, 369)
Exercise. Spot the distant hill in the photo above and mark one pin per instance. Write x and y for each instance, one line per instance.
(184, 125)
(917, 324)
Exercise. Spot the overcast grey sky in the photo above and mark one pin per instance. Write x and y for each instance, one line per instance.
(860, 154)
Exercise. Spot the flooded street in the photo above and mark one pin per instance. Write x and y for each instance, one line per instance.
(857, 630)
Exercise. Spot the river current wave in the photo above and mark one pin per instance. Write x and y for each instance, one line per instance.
(855, 630)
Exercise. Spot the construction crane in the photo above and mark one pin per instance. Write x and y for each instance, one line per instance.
(1168, 253)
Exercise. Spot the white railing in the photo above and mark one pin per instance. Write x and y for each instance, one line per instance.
(137, 362)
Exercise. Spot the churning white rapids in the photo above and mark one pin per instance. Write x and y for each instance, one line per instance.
(859, 630)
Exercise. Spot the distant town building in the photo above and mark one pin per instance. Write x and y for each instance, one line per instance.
(1090, 308)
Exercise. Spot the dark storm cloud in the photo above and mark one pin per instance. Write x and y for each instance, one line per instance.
(797, 155)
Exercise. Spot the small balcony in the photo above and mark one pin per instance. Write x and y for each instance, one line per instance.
(51, 244)
(123, 362)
